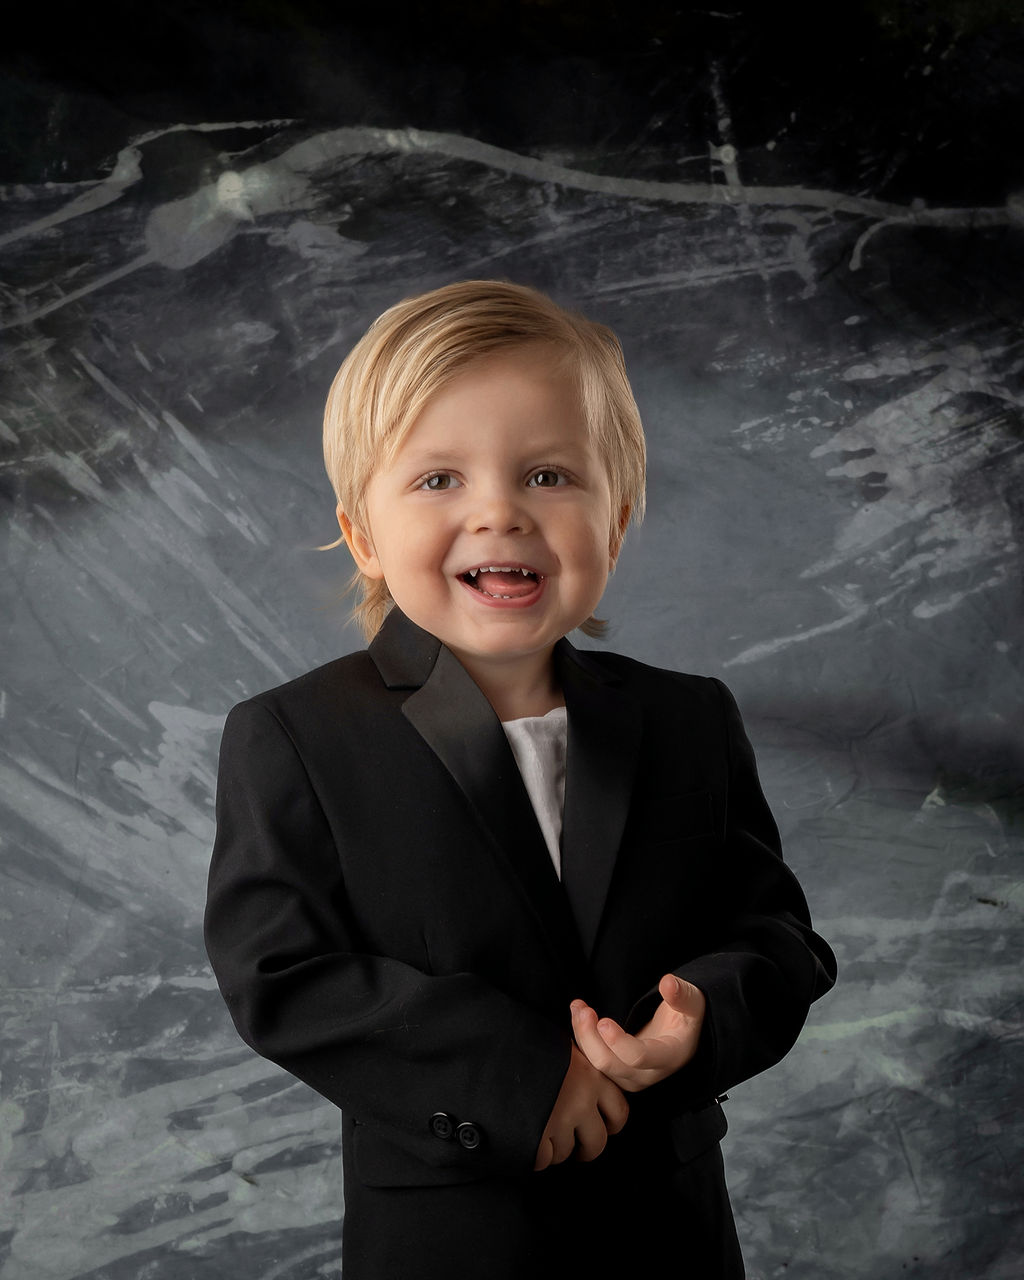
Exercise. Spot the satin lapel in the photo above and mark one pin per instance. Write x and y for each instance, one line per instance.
(459, 725)
(604, 740)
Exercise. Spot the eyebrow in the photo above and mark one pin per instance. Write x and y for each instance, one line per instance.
(543, 452)
(434, 457)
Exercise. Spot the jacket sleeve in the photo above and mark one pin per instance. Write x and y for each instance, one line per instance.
(389, 1044)
(764, 965)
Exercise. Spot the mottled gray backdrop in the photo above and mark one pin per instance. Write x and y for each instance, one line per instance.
(815, 269)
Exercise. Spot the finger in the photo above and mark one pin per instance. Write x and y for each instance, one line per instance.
(563, 1143)
(624, 1064)
(628, 1049)
(591, 1138)
(606, 1039)
(590, 1041)
(545, 1154)
(614, 1108)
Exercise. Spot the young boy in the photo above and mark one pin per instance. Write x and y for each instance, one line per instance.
(517, 909)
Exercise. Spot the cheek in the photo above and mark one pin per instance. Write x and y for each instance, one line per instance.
(592, 562)
(597, 542)
(412, 550)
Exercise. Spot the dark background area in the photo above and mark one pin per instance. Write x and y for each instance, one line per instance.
(903, 100)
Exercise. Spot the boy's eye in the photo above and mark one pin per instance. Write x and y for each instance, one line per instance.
(438, 481)
(546, 479)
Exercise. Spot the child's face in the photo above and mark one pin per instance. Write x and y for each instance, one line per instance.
(498, 472)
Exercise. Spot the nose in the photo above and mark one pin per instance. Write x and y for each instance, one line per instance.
(499, 508)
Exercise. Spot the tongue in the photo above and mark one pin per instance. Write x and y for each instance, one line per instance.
(505, 584)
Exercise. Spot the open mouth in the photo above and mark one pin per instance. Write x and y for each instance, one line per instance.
(502, 582)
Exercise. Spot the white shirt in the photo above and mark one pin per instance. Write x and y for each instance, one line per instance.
(539, 746)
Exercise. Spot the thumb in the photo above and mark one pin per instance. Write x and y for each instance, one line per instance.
(681, 995)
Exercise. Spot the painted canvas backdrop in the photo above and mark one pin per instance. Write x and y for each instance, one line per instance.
(829, 365)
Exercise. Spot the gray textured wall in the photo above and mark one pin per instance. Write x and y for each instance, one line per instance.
(830, 372)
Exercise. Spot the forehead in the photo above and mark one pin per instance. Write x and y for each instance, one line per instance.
(531, 391)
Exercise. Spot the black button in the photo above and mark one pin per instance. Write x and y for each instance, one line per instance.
(469, 1135)
(442, 1126)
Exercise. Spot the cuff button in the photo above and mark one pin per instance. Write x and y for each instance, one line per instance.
(469, 1135)
(442, 1126)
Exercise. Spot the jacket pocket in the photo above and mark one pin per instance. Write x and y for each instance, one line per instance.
(379, 1162)
(695, 1132)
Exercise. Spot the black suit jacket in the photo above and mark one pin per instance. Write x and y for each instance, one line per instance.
(385, 921)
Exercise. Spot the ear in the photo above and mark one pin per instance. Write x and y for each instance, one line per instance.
(618, 534)
(360, 546)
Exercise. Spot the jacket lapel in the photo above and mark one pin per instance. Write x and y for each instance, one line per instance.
(604, 741)
(457, 722)
(453, 717)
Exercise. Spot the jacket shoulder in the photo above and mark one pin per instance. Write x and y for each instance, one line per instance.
(644, 680)
(343, 679)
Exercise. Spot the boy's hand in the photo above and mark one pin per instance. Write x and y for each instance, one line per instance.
(658, 1049)
(588, 1108)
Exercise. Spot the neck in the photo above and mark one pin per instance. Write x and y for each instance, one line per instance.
(525, 687)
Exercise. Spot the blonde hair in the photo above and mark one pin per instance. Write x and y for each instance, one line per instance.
(419, 345)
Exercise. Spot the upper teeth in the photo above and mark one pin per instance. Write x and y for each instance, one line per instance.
(494, 568)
